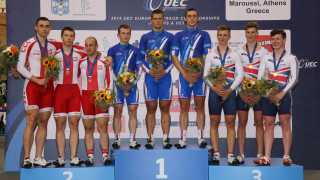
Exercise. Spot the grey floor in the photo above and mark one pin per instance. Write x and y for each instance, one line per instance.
(308, 174)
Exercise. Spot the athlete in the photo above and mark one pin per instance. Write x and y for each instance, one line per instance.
(283, 67)
(38, 99)
(251, 54)
(157, 85)
(94, 76)
(67, 97)
(191, 43)
(124, 54)
(225, 98)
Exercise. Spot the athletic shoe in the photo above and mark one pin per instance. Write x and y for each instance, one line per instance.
(233, 161)
(263, 161)
(287, 160)
(216, 159)
(75, 161)
(202, 143)
(116, 144)
(89, 161)
(240, 158)
(26, 163)
(41, 162)
(134, 145)
(150, 144)
(166, 144)
(182, 144)
(106, 160)
(59, 162)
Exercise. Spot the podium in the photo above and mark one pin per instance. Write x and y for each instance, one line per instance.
(249, 170)
(158, 163)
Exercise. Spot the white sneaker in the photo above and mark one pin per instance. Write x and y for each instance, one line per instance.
(59, 162)
(216, 159)
(89, 161)
(287, 160)
(116, 144)
(150, 144)
(106, 160)
(75, 161)
(233, 161)
(202, 143)
(240, 158)
(41, 162)
(134, 145)
(166, 143)
(182, 144)
(27, 163)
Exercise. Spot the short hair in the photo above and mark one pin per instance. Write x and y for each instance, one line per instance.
(191, 9)
(42, 19)
(124, 26)
(157, 11)
(224, 27)
(278, 31)
(68, 29)
(251, 25)
(95, 40)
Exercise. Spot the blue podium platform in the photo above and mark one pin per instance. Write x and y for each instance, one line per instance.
(158, 163)
(249, 170)
(97, 171)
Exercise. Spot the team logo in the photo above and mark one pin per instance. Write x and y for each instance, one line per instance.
(100, 67)
(167, 5)
(305, 63)
(60, 7)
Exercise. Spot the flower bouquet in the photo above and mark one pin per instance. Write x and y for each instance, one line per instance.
(126, 80)
(104, 98)
(192, 66)
(217, 77)
(155, 58)
(51, 68)
(9, 59)
(268, 87)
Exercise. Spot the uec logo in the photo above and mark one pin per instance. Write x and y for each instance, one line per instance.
(151, 5)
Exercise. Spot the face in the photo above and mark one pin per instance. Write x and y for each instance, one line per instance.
(157, 21)
(90, 46)
(191, 19)
(67, 38)
(278, 41)
(43, 28)
(223, 37)
(252, 34)
(124, 35)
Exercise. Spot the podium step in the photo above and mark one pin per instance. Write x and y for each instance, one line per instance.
(97, 171)
(249, 170)
(158, 163)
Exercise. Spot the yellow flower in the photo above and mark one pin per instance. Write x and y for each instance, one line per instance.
(108, 96)
(157, 54)
(45, 62)
(124, 79)
(10, 54)
(150, 53)
(102, 95)
(249, 85)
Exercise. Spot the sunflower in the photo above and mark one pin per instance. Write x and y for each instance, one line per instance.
(107, 97)
(158, 54)
(102, 95)
(10, 54)
(52, 65)
(249, 85)
(45, 62)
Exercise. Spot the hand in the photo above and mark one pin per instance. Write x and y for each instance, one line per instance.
(153, 73)
(225, 94)
(187, 77)
(245, 98)
(108, 60)
(127, 88)
(99, 54)
(198, 75)
(279, 96)
(161, 74)
(217, 90)
(254, 100)
(42, 82)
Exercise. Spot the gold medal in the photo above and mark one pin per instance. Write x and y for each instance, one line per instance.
(191, 50)
(250, 66)
(275, 74)
(90, 79)
(67, 72)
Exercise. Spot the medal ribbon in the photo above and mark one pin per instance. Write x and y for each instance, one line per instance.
(158, 37)
(276, 65)
(191, 36)
(90, 70)
(125, 54)
(65, 59)
(254, 50)
(223, 60)
(43, 51)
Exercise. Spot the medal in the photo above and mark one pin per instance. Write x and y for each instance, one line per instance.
(249, 56)
(250, 66)
(67, 63)
(90, 79)
(67, 72)
(275, 74)
(90, 69)
(191, 50)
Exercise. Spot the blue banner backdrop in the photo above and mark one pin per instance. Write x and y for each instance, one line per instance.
(301, 19)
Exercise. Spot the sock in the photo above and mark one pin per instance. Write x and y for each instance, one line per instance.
(183, 135)
(117, 136)
(200, 133)
(37, 159)
(132, 137)
(216, 153)
(90, 152)
(105, 152)
(230, 154)
(259, 155)
(165, 136)
(151, 137)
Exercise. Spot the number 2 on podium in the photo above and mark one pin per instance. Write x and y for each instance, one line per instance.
(161, 174)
